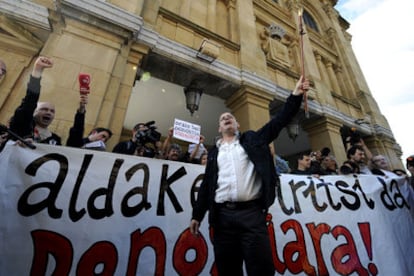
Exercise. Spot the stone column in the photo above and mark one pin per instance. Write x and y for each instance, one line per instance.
(346, 90)
(332, 78)
(325, 132)
(211, 15)
(125, 73)
(150, 10)
(322, 69)
(231, 7)
(251, 107)
(131, 6)
(252, 58)
(185, 8)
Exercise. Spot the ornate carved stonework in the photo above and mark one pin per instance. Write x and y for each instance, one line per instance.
(273, 46)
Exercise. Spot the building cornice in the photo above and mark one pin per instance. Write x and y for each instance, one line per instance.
(103, 11)
(27, 12)
(187, 55)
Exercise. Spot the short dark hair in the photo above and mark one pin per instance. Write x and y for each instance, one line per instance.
(349, 167)
(352, 150)
(174, 146)
(136, 127)
(303, 154)
(100, 129)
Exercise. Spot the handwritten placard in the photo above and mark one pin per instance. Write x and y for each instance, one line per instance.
(186, 131)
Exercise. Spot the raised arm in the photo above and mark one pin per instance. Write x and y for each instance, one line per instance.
(22, 120)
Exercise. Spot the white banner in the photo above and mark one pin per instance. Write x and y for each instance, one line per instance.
(70, 211)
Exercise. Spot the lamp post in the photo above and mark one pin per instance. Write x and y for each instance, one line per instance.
(293, 129)
(192, 97)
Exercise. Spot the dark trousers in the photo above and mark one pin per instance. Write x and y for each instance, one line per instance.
(241, 235)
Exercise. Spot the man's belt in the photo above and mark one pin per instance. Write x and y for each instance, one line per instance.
(238, 205)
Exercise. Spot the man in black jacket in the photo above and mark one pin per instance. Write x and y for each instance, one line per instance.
(238, 187)
(32, 118)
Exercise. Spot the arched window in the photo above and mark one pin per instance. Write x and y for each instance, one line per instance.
(309, 21)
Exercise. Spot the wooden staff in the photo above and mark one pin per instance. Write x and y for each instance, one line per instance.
(302, 59)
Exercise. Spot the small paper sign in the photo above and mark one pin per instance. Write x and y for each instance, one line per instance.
(186, 131)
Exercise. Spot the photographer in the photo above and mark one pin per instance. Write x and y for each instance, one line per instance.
(129, 147)
(143, 141)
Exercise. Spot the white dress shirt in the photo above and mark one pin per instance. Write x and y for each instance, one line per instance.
(237, 179)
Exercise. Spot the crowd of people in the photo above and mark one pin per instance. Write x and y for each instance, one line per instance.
(241, 168)
(360, 160)
(32, 119)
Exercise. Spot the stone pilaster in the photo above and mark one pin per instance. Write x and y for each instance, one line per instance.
(185, 8)
(125, 72)
(252, 58)
(345, 90)
(325, 132)
(211, 15)
(150, 11)
(332, 77)
(322, 69)
(251, 107)
(231, 7)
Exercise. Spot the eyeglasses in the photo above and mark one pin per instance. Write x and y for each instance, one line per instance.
(378, 160)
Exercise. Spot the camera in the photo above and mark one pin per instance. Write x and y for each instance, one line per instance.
(146, 139)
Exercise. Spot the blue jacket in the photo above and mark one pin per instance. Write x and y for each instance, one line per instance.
(256, 145)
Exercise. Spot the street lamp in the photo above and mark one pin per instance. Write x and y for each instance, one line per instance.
(192, 97)
(293, 129)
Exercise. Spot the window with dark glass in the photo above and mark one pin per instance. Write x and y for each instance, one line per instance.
(309, 21)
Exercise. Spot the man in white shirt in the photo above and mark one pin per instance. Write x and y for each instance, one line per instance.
(238, 187)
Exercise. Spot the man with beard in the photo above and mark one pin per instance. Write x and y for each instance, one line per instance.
(32, 118)
(174, 153)
(356, 154)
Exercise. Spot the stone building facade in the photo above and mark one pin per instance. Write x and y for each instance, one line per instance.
(244, 52)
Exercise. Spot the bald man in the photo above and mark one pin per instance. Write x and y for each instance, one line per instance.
(32, 118)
